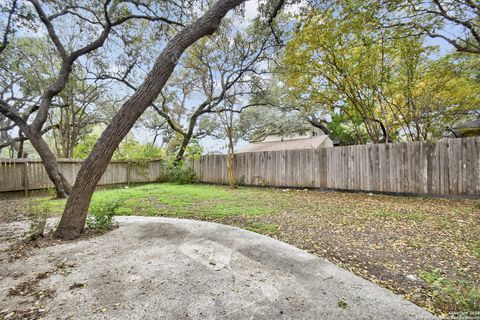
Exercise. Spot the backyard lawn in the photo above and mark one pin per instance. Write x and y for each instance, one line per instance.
(423, 248)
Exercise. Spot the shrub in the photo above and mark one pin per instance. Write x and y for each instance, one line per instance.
(181, 173)
(37, 214)
(101, 214)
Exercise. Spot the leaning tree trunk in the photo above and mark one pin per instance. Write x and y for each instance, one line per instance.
(186, 137)
(62, 187)
(183, 147)
(73, 219)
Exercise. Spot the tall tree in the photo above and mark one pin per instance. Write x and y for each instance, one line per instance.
(207, 75)
(75, 213)
(338, 62)
(96, 17)
(73, 219)
(378, 83)
(227, 117)
(83, 104)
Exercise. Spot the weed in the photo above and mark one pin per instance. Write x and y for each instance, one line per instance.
(37, 214)
(451, 294)
(342, 303)
(475, 247)
(101, 214)
(181, 173)
(392, 214)
(264, 228)
(382, 213)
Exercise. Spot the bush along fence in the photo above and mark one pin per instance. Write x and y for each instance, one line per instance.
(26, 174)
(449, 167)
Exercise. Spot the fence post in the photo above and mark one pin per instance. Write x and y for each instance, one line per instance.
(25, 177)
(128, 173)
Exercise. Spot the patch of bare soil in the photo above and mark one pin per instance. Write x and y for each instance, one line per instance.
(27, 298)
(13, 210)
(22, 248)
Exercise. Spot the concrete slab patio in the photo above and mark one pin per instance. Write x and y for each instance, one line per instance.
(162, 268)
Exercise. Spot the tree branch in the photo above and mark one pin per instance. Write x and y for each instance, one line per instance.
(8, 27)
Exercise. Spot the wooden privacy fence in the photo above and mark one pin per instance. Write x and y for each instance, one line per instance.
(449, 167)
(26, 174)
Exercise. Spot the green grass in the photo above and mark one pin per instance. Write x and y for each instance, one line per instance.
(476, 249)
(176, 200)
(451, 294)
(265, 228)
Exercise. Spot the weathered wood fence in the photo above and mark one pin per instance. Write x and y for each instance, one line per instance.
(449, 167)
(27, 174)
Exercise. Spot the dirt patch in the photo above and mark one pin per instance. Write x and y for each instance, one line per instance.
(27, 298)
(13, 210)
(424, 249)
(22, 249)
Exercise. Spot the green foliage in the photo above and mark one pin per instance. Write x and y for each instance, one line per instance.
(181, 173)
(102, 213)
(340, 61)
(132, 149)
(127, 150)
(194, 150)
(341, 129)
(37, 214)
(83, 149)
(450, 294)
(257, 122)
(264, 228)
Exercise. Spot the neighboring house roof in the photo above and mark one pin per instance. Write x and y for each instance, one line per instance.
(262, 135)
(467, 129)
(296, 144)
(469, 125)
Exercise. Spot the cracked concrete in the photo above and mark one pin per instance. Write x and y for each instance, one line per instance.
(163, 268)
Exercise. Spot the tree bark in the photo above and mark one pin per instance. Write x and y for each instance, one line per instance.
(73, 219)
(186, 137)
(181, 151)
(62, 187)
(230, 159)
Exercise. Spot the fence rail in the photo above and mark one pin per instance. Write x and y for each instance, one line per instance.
(27, 174)
(449, 167)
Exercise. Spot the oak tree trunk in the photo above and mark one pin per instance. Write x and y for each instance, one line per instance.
(62, 187)
(73, 219)
(183, 147)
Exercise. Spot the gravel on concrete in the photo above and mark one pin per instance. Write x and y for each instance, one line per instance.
(164, 268)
